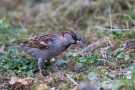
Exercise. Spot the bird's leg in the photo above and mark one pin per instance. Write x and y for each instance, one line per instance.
(39, 66)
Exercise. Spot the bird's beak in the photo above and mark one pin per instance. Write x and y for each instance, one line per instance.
(80, 43)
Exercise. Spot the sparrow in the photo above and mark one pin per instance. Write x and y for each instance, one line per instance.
(48, 46)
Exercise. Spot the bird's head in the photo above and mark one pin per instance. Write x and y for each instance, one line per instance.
(73, 37)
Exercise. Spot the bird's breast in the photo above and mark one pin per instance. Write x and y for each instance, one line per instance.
(58, 47)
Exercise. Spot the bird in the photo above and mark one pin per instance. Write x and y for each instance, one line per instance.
(48, 46)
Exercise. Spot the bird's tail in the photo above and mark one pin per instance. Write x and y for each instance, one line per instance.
(21, 46)
(17, 46)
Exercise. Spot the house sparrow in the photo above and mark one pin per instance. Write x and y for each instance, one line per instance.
(48, 46)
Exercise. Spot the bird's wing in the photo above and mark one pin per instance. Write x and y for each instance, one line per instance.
(41, 41)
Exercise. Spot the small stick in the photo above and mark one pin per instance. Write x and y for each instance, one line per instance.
(110, 18)
(91, 47)
(106, 29)
(22, 26)
(71, 79)
(133, 21)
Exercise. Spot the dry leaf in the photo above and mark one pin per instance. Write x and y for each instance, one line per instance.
(53, 88)
(42, 87)
(75, 69)
(75, 88)
(130, 50)
(13, 80)
(18, 82)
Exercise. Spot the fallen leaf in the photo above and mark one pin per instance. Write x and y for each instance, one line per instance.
(18, 82)
(130, 50)
(75, 88)
(53, 88)
(42, 87)
(75, 69)
(13, 80)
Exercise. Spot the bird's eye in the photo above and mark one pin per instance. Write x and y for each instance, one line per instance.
(74, 37)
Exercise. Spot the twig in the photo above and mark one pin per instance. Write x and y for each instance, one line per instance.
(71, 79)
(22, 26)
(110, 18)
(107, 61)
(133, 21)
(91, 47)
(106, 29)
(104, 51)
(128, 4)
(121, 14)
(127, 24)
